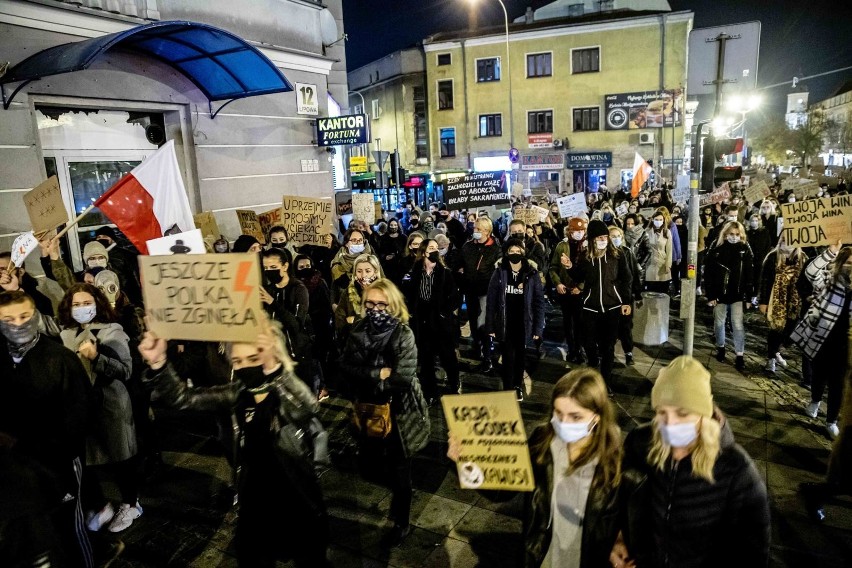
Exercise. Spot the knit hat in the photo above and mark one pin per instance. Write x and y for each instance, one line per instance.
(597, 228)
(577, 224)
(105, 231)
(684, 383)
(243, 243)
(93, 248)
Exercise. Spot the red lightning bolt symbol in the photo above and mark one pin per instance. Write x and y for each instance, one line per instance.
(240, 280)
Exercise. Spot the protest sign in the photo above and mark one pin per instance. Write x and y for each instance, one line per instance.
(756, 192)
(528, 216)
(23, 245)
(188, 242)
(476, 190)
(573, 205)
(343, 202)
(494, 451)
(681, 195)
(45, 207)
(378, 210)
(307, 219)
(206, 222)
(717, 196)
(363, 208)
(205, 297)
(269, 219)
(622, 209)
(817, 222)
(806, 189)
(646, 212)
(250, 225)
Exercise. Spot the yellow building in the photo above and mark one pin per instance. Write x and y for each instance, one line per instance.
(593, 89)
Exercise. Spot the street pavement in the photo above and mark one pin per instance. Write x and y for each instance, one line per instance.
(189, 518)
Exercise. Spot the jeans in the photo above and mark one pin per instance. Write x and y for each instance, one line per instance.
(720, 314)
(476, 316)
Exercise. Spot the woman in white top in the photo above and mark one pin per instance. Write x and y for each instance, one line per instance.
(658, 268)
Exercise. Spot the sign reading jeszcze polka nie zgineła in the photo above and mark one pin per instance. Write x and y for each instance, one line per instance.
(341, 130)
(476, 190)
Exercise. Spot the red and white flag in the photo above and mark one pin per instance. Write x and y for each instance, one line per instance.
(641, 172)
(150, 200)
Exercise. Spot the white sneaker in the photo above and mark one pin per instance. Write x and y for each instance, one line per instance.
(125, 517)
(770, 366)
(781, 360)
(96, 520)
(812, 409)
(833, 430)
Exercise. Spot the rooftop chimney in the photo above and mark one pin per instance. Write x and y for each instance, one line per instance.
(529, 17)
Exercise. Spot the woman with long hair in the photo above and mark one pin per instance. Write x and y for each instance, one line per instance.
(365, 270)
(409, 254)
(281, 445)
(658, 264)
(390, 250)
(381, 361)
(354, 245)
(703, 502)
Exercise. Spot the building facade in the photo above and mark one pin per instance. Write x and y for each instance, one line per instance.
(837, 152)
(592, 89)
(92, 125)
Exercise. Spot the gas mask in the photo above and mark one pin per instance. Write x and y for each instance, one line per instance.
(107, 281)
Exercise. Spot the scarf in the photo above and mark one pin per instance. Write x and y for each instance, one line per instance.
(784, 301)
(18, 352)
(312, 281)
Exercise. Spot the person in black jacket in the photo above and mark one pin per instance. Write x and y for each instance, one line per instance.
(381, 358)
(515, 312)
(728, 281)
(433, 298)
(625, 323)
(607, 296)
(390, 249)
(478, 259)
(322, 319)
(760, 242)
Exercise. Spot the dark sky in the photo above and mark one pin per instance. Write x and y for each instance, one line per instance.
(798, 38)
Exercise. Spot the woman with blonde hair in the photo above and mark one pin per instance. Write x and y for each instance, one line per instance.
(391, 415)
(658, 264)
(728, 285)
(282, 445)
(702, 502)
(365, 269)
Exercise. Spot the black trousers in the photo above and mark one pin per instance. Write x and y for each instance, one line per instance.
(431, 343)
(383, 460)
(828, 371)
(777, 337)
(572, 314)
(514, 353)
(601, 334)
(625, 331)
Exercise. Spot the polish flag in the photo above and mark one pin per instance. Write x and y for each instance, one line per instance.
(641, 172)
(150, 200)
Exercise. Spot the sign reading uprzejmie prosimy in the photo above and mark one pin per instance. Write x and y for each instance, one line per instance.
(494, 452)
(307, 219)
(202, 297)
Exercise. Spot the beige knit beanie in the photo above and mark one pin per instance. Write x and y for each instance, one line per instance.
(684, 383)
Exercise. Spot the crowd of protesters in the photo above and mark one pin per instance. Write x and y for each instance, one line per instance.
(376, 316)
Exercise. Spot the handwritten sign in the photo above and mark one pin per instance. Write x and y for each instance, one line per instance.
(307, 219)
(204, 297)
(476, 190)
(188, 242)
(806, 190)
(528, 216)
(757, 192)
(573, 205)
(717, 196)
(22, 247)
(817, 222)
(45, 207)
(250, 225)
(494, 451)
(269, 219)
(622, 209)
(363, 208)
(646, 212)
(206, 221)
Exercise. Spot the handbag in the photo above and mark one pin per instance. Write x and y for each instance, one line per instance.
(372, 420)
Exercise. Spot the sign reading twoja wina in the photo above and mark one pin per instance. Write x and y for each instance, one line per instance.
(818, 222)
(340, 130)
(203, 297)
(494, 452)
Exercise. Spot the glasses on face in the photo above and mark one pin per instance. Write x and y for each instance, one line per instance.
(370, 305)
(356, 241)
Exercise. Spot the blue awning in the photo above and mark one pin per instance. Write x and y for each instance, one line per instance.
(221, 64)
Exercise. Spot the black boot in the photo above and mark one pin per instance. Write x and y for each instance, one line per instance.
(720, 354)
(815, 496)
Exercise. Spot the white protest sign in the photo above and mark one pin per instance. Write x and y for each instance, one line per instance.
(363, 208)
(22, 247)
(189, 242)
(622, 209)
(573, 205)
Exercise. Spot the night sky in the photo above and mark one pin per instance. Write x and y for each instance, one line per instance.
(798, 38)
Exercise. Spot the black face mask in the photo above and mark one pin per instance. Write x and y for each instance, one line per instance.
(304, 273)
(393, 230)
(273, 275)
(515, 258)
(521, 236)
(434, 256)
(251, 377)
(414, 222)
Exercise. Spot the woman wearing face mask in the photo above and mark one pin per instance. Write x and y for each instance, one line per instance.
(354, 245)
(822, 334)
(365, 270)
(567, 284)
(409, 254)
(322, 318)
(658, 266)
(760, 242)
(636, 239)
(514, 313)
(769, 219)
(390, 250)
(433, 298)
(625, 323)
(90, 330)
(276, 470)
(728, 279)
(703, 502)
(607, 296)
(570, 518)
(381, 360)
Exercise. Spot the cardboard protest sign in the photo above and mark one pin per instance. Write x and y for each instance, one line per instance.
(45, 207)
(806, 189)
(307, 219)
(646, 212)
(188, 242)
(343, 202)
(206, 222)
(756, 192)
(528, 216)
(363, 208)
(205, 297)
(377, 205)
(23, 245)
(622, 209)
(476, 190)
(717, 196)
(250, 225)
(269, 219)
(817, 222)
(573, 205)
(494, 451)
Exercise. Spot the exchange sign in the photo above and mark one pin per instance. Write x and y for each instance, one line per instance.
(342, 130)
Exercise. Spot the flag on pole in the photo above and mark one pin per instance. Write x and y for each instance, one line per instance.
(150, 200)
(641, 172)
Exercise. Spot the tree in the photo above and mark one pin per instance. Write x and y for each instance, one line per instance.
(772, 140)
(806, 141)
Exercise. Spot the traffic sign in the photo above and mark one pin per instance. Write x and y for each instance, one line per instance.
(381, 157)
(741, 54)
(514, 155)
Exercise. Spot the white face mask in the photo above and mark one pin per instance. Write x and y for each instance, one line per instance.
(570, 432)
(477, 236)
(733, 239)
(97, 263)
(577, 235)
(356, 249)
(732, 217)
(658, 223)
(617, 241)
(601, 245)
(765, 211)
(678, 435)
(754, 224)
(791, 200)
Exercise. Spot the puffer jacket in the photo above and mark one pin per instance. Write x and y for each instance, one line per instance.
(495, 313)
(728, 273)
(366, 352)
(685, 521)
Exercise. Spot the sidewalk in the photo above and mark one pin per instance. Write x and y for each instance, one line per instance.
(188, 522)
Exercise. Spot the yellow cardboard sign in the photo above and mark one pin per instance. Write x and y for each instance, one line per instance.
(250, 225)
(817, 222)
(269, 219)
(756, 192)
(202, 297)
(206, 221)
(494, 450)
(45, 207)
(307, 219)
